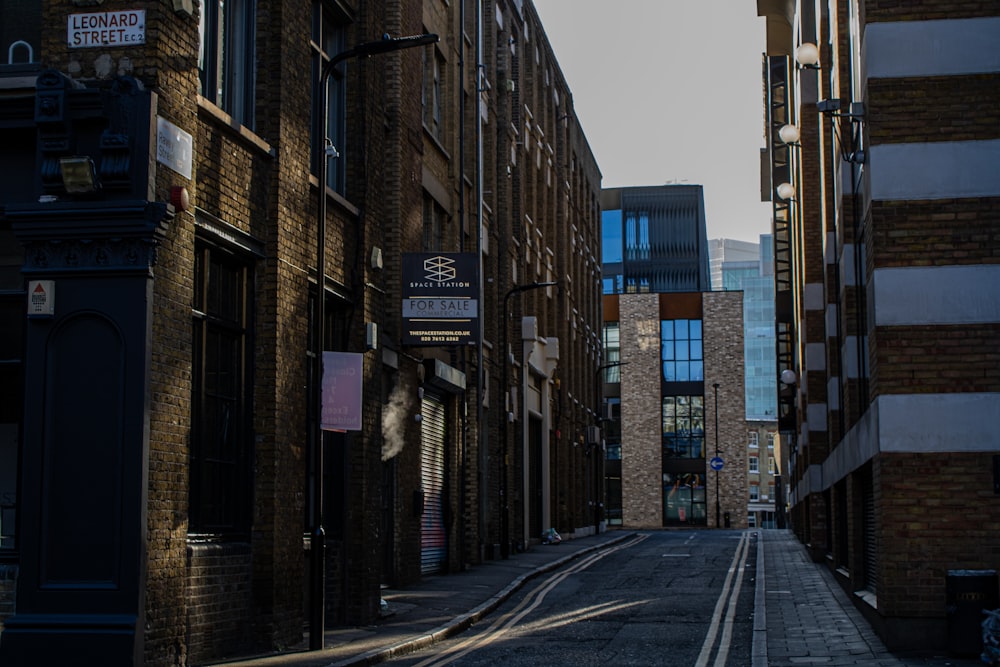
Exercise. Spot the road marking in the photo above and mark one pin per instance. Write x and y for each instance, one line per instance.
(503, 624)
(737, 566)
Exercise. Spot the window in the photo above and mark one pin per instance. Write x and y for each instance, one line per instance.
(435, 225)
(329, 38)
(681, 350)
(752, 439)
(770, 465)
(20, 32)
(684, 427)
(770, 439)
(227, 56)
(754, 464)
(612, 353)
(432, 93)
(754, 492)
(221, 435)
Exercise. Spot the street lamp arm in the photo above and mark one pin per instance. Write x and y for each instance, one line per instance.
(375, 47)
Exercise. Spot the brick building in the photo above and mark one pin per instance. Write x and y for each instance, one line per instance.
(161, 398)
(672, 423)
(883, 142)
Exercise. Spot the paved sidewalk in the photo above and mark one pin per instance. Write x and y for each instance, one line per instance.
(802, 617)
(808, 619)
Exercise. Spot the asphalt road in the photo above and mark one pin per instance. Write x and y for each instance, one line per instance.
(663, 598)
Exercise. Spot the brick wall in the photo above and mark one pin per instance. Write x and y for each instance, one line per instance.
(939, 513)
(722, 315)
(641, 405)
(641, 398)
(219, 601)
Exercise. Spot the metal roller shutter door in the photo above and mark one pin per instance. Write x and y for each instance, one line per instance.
(433, 537)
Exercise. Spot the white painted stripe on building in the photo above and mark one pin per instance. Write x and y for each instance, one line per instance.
(939, 422)
(915, 423)
(849, 355)
(937, 295)
(817, 416)
(815, 356)
(831, 320)
(932, 48)
(935, 170)
(815, 297)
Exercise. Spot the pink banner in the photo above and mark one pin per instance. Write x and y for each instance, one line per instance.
(342, 388)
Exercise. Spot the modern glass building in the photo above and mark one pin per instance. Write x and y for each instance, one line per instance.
(654, 239)
(733, 271)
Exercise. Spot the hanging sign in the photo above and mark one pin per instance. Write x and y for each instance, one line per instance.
(343, 373)
(440, 299)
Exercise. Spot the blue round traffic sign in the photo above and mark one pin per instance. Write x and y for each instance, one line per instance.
(715, 463)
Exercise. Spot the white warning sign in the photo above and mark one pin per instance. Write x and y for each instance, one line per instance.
(41, 298)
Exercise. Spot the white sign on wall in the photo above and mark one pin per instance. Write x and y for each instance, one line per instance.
(174, 147)
(125, 28)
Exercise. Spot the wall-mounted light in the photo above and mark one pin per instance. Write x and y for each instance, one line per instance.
(807, 56)
(789, 134)
(184, 7)
(850, 150)
(788, 377)
(786, 191)
(78, 174)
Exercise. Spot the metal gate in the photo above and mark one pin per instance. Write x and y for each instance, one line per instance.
(433, 536)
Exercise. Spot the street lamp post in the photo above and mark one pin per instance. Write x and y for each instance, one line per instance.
(317, 534)
(717, 472)
(599, 404)
(504, 509)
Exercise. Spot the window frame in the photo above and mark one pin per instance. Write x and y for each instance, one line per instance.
(234, 500)
(329, 38)
(228, 32)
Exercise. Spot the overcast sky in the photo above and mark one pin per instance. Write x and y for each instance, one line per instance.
(670, 91)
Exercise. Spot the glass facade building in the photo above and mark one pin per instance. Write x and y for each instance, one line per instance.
(654, 240)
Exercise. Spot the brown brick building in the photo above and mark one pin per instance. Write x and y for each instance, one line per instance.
(882, 160)
(160, 400)
(672, 423)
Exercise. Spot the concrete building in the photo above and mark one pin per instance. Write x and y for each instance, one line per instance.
(883, 136)
(729, 252)
(187, 222)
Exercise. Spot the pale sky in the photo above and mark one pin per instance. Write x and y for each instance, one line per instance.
(670, 91)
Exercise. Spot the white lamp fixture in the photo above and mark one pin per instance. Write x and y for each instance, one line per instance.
(788, 377)
(807, 55)
(789, 134)
(786, 191)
